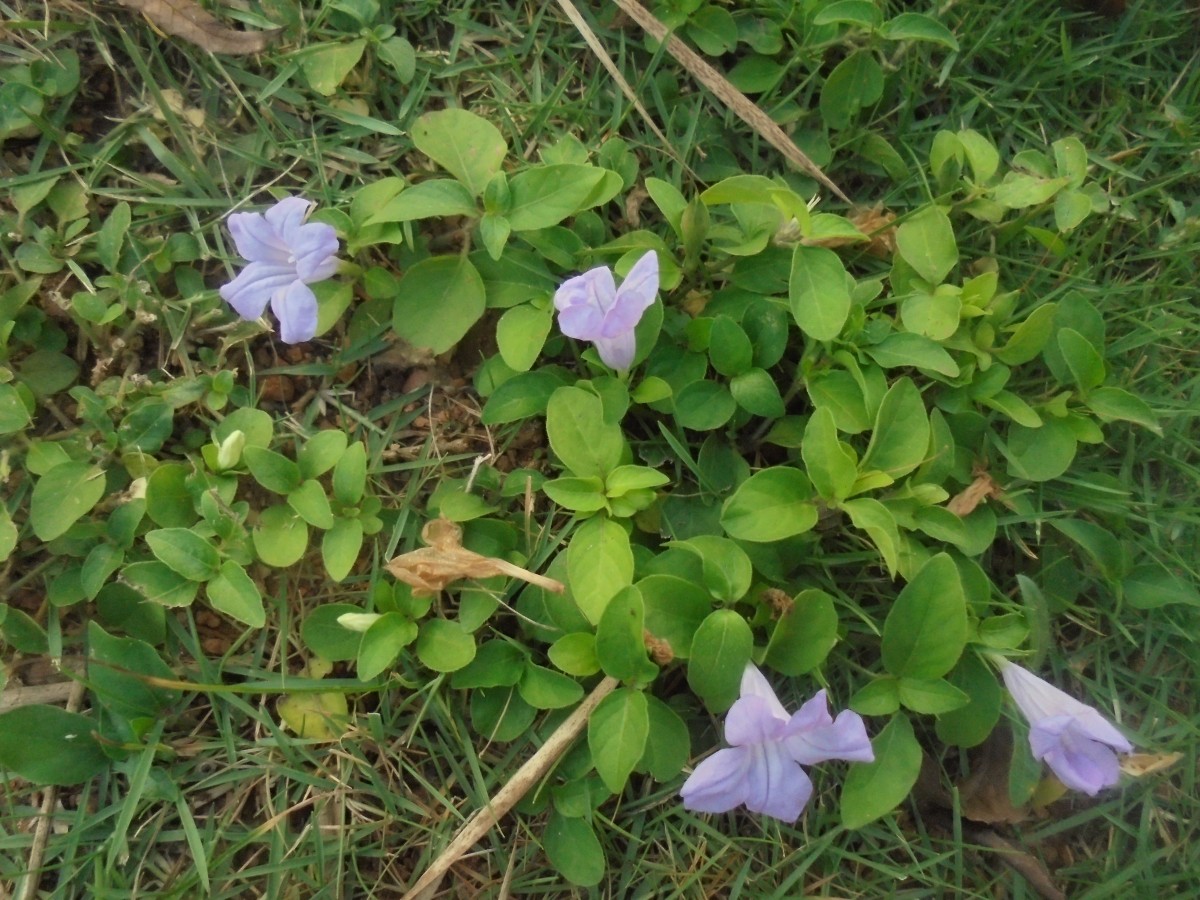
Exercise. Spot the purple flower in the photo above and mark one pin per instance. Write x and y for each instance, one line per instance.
(1071, 737)
(592, 308)
(762, 770)
(286, 256)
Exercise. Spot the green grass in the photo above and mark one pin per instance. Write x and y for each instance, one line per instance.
(239, 806)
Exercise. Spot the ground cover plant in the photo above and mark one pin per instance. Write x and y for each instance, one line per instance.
(386, 397)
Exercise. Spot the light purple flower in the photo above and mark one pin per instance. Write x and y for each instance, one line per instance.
(762, 768)
(592, 308)
(1072, 738)
(286, 255)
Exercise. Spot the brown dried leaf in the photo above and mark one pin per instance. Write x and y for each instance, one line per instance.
(188, 20)
(429, 569)
(984, 487)
(1139, 765)
(984, 793)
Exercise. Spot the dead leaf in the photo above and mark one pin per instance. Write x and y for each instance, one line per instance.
(429, 569)
(984, 793)
(984, 487)
(1139, 765)
(188, 20)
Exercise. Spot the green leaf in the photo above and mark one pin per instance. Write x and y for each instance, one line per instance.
(310, 503)
(599, 564)
(770, 505)
(185, 552)
(926, 628)
(545, 195)
(431, 199)
(704, 405)
(62, 496)
(804, 634)
(668, 745)
(467, 146)
(1029, 338)
(981, 153)
(726, 568)
(617, 732)
(14, 415)
(755, 391)
(350, 475)
(931, 697)
(970, 725)
(281, 537)
(910, 26)
(1151, 585)
(118, 668)
(674, 610)
(863, 13)
(926, 242)
(620, 647)
(874, 789)
(854, 84)
(907, 349)
(321, 452)
(340, 546)
(577, 494)
(159, 584)
(588, 445)
(1041, 454)
(111, 236)
(1019, 191)
(544, 688)
(22, 631)
(718, 657)
(444, 646)
(729, 348)
(575, 654)
(520, 335)
(437, 302)
(829, 463)
(326, 637)
(272, 470)
(818, 293)
(234, 593)
(1082, 358)
(382, 643)
(877, 521)
(900, 439)
(573, 849)
(48, 745)
(522, 396)
(327, 66)
(880, 697)
(496, 664)
(713, 30)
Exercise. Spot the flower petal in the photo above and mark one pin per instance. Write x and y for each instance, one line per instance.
(634, 297)
(314, 247)
(842, 738)
(752, 720)
(580, 321)
(594, 290)
(288, 215)
(1037, 698)
(296, 309)
(775, 785)
(1079, 762)
(718, 784)
(617, 353)
(254, 286)
(755, 684)
(256, 240)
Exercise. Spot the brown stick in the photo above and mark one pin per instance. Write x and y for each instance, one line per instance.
(742, 105)
(482, 820)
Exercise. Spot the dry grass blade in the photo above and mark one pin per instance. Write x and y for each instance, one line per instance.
(601, 54)
(188, 20)
(742, 105)
(534, 769)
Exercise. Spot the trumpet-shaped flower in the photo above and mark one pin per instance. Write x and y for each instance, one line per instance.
(762, 770)
(592, 308)
(1074, 740)
(286, 255)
